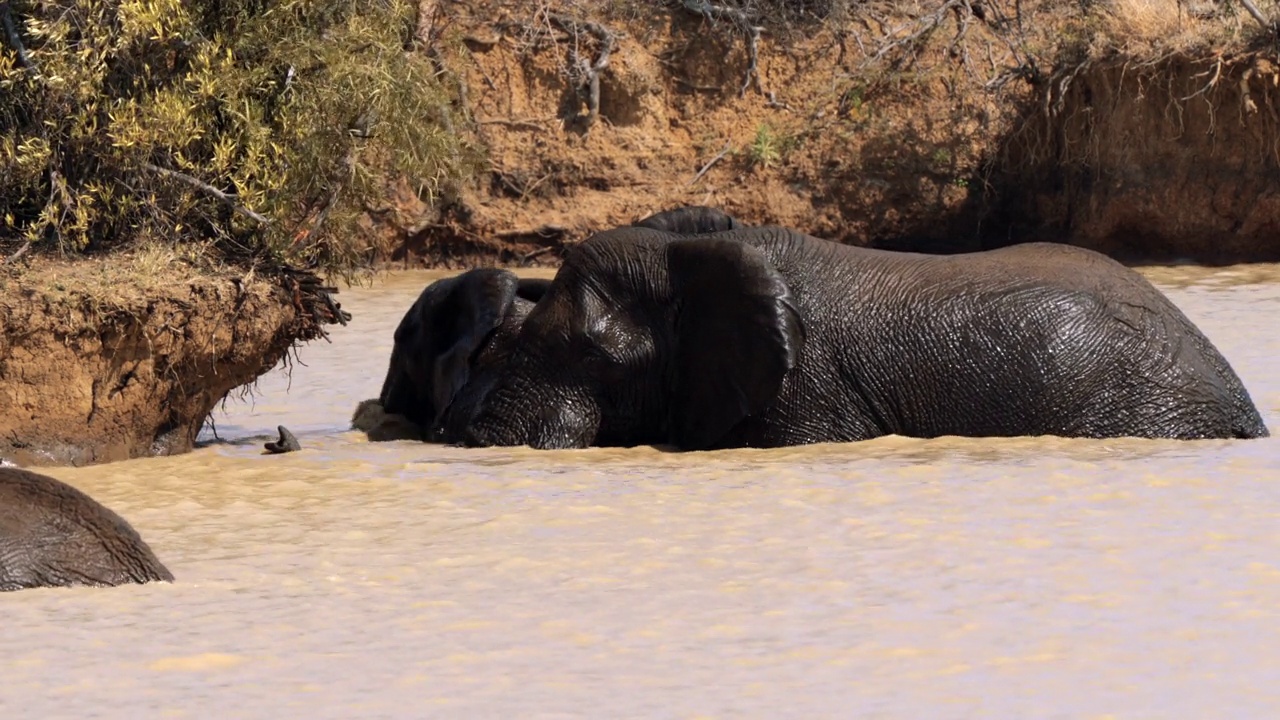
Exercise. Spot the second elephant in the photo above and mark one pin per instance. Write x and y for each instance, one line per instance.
(53, 535)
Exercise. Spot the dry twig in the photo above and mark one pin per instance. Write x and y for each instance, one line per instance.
(315, 220)
(21, 251)
(719, 156)
(923, 28)
(1257, 14)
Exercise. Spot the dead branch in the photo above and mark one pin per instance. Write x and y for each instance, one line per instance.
(719, 156)
(534, 186)
(208, 189)
(21, 251)
(1257, 14)
(589, 73)
(740, 20)
(923, 27)
(546, 232)
(536, 253)
(11, 31)
(431, 23)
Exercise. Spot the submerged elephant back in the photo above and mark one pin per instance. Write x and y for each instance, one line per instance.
(1130, 298)
(1029, 339)
(52, 535)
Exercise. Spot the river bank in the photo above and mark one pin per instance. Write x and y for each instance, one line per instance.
(126, 356)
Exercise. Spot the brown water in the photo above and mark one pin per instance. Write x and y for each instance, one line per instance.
(950, 578)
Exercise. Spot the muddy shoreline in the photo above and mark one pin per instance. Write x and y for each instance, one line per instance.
(116, 358)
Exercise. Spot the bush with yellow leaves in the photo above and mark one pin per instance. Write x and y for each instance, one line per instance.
(255, 127)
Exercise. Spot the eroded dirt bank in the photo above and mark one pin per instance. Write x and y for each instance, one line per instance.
(961, 139)
(118, 358)
(1177, 159)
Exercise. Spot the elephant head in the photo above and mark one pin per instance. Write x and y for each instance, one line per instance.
(468, 320)
(453, 325)
(643, 337)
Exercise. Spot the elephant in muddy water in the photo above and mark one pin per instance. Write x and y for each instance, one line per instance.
(767, 337)
(53, 535)
(436, 341)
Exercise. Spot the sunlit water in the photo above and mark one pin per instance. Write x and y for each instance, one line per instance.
(1024, 578)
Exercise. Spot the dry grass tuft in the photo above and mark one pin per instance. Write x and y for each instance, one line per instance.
(1160, 26)
(124, 278)
(1146, 19)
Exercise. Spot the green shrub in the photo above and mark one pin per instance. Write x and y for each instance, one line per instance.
(262, 124)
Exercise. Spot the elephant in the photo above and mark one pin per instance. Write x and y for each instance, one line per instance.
(690, 220)
(767, 337)
(53, 535)
(452, 318)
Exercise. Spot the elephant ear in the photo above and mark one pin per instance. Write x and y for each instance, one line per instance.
(475, 305)
(738, 332)
(397, 395)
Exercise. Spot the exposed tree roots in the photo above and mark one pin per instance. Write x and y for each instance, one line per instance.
(587, 74)
(749, 31)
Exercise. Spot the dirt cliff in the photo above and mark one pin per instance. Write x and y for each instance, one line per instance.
(126, 356)
(1179, 159)
(953, 127)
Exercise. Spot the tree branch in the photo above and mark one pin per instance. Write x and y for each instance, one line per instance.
(1257, 14)
(312, 223)
(208, 189)
(11, 30)
(21, 251)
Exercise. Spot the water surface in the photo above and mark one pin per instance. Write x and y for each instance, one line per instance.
(898, 578)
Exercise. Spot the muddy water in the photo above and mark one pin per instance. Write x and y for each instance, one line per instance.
(1027, 578)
